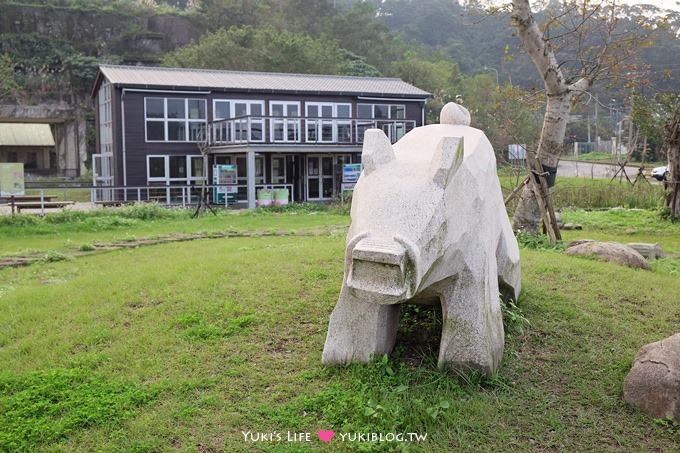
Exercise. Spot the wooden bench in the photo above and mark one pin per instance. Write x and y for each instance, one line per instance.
(41, 205)
(26, 198)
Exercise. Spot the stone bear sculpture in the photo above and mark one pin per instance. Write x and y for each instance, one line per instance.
(429, 225)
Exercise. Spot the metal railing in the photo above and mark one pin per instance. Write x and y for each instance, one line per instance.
(299, 130)
(178, 195)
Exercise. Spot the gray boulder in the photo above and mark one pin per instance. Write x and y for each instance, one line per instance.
(609, 251)
(649, 251)
(653, 383)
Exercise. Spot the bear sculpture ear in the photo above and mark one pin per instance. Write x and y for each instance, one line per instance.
(446, 159)
(377, 150)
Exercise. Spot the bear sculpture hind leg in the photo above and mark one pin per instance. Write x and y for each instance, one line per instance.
(472, 324)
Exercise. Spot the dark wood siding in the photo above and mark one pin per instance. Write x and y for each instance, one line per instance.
(137, 149)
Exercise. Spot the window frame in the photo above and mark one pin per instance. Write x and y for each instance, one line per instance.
(317, 126)
(287, 124)
(186, 125)
(189, 176)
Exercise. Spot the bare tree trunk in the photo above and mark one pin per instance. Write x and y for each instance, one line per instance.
(528, 215)
(672, 135)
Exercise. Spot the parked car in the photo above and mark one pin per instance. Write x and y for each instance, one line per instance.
(660, 173)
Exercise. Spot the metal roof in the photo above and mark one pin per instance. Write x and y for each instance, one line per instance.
(25, 134)
(176, 78)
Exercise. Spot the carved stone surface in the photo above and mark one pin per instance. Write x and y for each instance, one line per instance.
(653, 383)
(428, 226)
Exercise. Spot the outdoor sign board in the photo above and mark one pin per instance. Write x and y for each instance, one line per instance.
(224, 178)
(350, 176)
(350, 173)
(11, 179)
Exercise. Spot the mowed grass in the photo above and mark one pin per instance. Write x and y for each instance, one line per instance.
(215, 345)
(65, 231)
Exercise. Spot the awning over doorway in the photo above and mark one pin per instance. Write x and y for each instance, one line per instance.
(26, 134)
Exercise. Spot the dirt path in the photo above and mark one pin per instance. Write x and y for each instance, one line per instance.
(100, 247)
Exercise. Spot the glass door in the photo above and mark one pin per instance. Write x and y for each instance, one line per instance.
(102, 175)
(242, 175)
(319, 177)
(278, 169)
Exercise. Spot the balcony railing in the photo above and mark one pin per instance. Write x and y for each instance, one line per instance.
(289, 130)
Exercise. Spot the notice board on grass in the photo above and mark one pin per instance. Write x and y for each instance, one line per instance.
(11, 179)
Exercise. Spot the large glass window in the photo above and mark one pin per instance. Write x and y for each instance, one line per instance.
(285, 123)
(381, 111)
(155, 131)
(245, 120)
(178, 167)
(176, 108)
(365, 110)
(398, 112)
(177, 131)
(175, 169)
(381, 116)
(102, 170)
(173, 178)
(222, 109)
(328, 122)
(156, 167)
(155, 107)
(196, 167)
(174, 119)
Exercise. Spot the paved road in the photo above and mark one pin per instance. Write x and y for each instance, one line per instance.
(591, 170)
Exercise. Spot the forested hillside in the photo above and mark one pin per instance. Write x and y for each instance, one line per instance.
(50, 49)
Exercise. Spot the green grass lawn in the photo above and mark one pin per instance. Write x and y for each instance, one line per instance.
(215, 344)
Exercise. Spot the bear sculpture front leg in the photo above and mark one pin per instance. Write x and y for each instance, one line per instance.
(358, 330)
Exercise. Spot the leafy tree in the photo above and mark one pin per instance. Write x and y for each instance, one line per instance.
(506, 113)
(233, 13)
(358, 31)
(436, 73)
(650, 115)
(262, 49)
(357, 66)
(9, 86)
(81, 71)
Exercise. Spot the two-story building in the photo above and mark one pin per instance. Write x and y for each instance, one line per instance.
(296, 131)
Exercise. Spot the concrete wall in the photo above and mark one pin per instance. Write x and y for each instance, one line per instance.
(69, 131)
